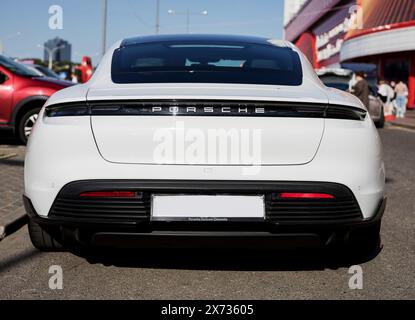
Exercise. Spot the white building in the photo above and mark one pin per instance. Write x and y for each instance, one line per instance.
(291, 7)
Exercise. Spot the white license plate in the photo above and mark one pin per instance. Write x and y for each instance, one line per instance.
(206, 207)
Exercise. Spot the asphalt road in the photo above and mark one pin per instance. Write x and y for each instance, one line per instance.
(197, 274)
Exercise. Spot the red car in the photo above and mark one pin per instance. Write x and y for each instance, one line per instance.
(22, 94)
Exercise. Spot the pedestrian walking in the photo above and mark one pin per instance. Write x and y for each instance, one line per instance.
(361, 88)
(386, 94)
(401, 91)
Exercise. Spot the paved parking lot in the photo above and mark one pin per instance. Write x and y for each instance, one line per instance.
(196, 274)
(11, 186)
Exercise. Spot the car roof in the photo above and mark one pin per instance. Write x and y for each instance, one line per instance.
(202, 37)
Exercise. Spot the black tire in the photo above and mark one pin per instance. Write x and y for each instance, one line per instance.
(381, 122)
(26, 120)
(364, 243)
(44, 240)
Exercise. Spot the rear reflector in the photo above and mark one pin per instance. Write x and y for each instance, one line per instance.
(108, 194)
(291, 195)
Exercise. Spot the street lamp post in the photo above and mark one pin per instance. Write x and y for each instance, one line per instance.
(51, 53)
(158, 17)
(188, 13)
(104, 26)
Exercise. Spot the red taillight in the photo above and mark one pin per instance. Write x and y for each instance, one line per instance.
(295, 195)
(108, 194)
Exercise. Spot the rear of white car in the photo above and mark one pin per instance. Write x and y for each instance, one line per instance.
(230, 140)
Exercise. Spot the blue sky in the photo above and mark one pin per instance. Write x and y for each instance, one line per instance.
(82, 21)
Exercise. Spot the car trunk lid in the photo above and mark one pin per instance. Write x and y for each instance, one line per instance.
(148, 124)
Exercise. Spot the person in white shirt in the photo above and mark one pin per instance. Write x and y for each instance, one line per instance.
(387, 95)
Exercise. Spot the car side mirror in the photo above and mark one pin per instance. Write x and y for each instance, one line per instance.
(3, 78)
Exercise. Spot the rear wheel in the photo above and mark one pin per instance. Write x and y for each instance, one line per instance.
(44, 239)
(26, 124)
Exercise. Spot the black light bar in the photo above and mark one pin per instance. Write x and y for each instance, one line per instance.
(67, 109)
(207, 108)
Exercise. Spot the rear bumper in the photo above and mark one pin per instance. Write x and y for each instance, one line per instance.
(234, 233)
(97, 223)
(6, 127)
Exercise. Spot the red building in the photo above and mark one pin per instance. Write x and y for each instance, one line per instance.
(382, 32)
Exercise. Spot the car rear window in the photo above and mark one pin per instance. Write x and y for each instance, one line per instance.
(207, 62)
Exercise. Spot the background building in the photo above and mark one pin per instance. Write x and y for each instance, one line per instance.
(291, 7)
(382, 32)
(61, 54)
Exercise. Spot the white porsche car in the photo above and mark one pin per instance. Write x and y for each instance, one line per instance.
(199, 140)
